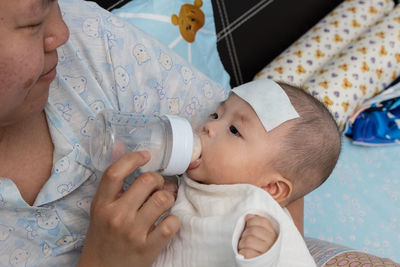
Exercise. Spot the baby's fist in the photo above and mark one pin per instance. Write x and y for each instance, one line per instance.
(257, 237)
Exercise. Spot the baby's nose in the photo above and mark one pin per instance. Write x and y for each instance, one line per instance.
(208, 129)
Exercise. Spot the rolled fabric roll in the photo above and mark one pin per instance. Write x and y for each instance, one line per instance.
(327, 38)
(361, 70)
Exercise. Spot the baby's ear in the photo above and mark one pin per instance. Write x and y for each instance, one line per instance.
(279, 188)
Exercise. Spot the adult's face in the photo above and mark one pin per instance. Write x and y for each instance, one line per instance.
(30, 31)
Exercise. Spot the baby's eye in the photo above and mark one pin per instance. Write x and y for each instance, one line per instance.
(214, 116)
(234, 130)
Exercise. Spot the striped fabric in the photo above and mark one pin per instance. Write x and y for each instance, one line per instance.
(111, 4)
(252, 33)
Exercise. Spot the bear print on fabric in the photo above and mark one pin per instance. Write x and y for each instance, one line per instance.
(140, 53)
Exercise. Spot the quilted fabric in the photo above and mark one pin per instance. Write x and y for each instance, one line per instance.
(357, 258)
(328, 254)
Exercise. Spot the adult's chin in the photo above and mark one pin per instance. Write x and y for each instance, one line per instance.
(36, 101)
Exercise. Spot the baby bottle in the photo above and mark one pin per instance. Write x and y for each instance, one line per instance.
(169, 138)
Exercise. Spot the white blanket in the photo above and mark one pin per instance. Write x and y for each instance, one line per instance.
(212, 219)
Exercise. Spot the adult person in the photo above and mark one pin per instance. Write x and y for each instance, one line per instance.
(121, 230)
(46, 105)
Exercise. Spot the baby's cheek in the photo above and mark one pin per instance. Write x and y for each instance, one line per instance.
(216, 172)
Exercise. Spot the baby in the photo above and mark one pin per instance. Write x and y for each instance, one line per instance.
(264, 147)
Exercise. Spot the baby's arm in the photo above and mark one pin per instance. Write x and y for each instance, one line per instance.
(257, 237)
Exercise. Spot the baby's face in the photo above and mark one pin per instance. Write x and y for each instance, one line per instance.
(235, 146)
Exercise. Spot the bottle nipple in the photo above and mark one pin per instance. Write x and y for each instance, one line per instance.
(196, 147)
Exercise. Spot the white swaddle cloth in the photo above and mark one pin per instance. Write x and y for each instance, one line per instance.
(212, 220)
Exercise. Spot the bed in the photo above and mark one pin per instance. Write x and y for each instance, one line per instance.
(353, 218)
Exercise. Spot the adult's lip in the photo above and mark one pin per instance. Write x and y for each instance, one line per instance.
(50, 73)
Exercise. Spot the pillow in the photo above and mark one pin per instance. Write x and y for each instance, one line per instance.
(327, 38)
(356, 72)
(361, 70)
(158, 18)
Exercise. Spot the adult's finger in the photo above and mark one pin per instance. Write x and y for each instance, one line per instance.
(111, 184)
(140, 190)
(163, 233)
(157, 204)
(171, 185)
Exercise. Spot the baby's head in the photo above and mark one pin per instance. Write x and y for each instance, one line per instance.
(310, 145)
(287, 147)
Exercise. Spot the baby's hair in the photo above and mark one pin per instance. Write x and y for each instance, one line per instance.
(311, 146)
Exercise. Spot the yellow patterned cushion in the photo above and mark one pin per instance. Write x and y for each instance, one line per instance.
(326, 39)
(361, 70)
(347, 58)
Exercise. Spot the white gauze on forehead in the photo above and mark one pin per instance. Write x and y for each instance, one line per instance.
(269, 101)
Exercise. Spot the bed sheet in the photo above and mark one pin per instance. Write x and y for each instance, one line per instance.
(359, 205)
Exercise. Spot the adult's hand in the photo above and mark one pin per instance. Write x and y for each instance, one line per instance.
(121, 231)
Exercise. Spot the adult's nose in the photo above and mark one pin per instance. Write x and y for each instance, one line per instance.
(56, 31)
